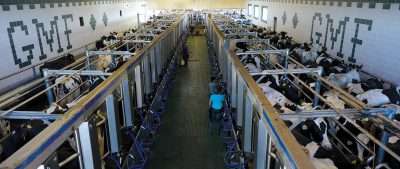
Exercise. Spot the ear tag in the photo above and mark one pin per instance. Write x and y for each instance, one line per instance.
(349, 143)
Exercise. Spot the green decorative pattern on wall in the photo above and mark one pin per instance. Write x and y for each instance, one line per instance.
(41, 4)
(284, 18)
(295, 20)
(370, 4)
(92, 22)
(105, 19)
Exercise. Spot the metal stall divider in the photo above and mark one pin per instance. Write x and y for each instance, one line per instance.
(272, 129)
(39, 149)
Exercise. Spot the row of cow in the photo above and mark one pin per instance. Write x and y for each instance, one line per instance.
(320, 136)
(68, 90)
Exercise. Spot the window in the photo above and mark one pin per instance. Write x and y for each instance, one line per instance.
(264, 14)
(250, 10)
(256, 11)
(142, 13)
(81, 21)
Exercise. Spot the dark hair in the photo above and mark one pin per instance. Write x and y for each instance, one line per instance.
(219, 89)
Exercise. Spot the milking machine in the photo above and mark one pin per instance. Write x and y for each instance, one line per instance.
(234, 157)
(272, 148)
(124, 88)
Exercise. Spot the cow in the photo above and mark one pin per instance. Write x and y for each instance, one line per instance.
(319, 156)
(105, 64)
(343, 79)
(379, 97)
(274, 96)
(359, 88)
(310, 55)
(242, 46)
(58, 63)
(70, 86)
(350, 141)
(332, 97)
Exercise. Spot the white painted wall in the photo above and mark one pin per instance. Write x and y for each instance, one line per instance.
(379, 52)
(80, 36)
(195, 4)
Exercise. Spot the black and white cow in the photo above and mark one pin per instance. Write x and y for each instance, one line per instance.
(319, 156)
(105, 64)
(67, 89)
(58, 63)
(359, 88)
(379, 97)
(348, 140)
(242, 46)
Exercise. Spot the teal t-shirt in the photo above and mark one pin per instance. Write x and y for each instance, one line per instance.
(216, 101)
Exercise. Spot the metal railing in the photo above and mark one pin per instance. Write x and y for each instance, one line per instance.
(233, 71)
(36, 151)
(245, 91)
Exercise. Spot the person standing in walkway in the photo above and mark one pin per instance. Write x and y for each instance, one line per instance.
(185, 55)
(216, 105)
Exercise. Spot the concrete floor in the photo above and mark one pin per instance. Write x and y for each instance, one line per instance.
(183, 140)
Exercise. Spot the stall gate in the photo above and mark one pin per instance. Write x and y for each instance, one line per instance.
(134, 79)
(263, 129)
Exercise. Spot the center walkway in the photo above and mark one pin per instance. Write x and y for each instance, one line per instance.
(183, 140)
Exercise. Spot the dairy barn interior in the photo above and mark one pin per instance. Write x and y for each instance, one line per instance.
(203, 84)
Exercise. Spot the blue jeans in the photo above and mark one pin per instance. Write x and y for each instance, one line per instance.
(215, 116)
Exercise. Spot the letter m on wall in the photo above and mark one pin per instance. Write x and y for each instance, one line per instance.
(49, 36)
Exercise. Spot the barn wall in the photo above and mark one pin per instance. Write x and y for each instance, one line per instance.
(20, 25)
(365, 33)
(195, 4)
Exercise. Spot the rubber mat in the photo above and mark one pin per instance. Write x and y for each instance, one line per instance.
(183, 140)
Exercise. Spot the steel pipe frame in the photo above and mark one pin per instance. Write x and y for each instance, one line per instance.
(110, 52)
(163, 82)
(242, 34)
(78, 72)
(284, 51)
(331, 113)
(285, 66)
(296, 158)
(36, 151)
(130, 41)
(381, 145)
(251, 40)
(284, 71)
(33, 115)
(140, 34)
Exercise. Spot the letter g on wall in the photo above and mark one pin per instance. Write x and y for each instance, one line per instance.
(11, 30)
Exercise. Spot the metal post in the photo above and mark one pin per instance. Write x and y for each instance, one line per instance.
(113, 123)
(113, 59)
(261, 145)
(147, 75)
(248, 125)
(127, 102)
(320, 71)
(286, 65)
(234, 88)
(78, 148)
(269, 147)
(138, 82)
(88, 62)
(47, 84)
(240, 105)
(90, 144)
(154, 65)
(385, 136)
